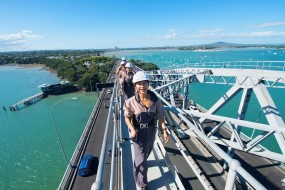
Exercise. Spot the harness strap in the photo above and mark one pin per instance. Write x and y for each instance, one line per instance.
(139, 126)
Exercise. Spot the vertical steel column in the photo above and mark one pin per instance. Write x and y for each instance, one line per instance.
(185, 99)
(172, 100)
(241, 115)
(271, 113)
(233, 164)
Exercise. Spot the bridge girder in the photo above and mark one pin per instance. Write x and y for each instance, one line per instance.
(252, 83)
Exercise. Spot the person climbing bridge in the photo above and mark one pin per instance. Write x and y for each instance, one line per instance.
(121, 67)
(141, 114)
(126, 83)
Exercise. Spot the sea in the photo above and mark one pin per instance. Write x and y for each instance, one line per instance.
(30, 153)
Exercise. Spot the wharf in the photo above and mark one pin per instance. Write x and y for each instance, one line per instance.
(27, 101)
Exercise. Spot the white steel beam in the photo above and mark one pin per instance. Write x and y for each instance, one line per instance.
(222, 101)
(257, 140)
(241, 80)
(235, 135)
(271, 113)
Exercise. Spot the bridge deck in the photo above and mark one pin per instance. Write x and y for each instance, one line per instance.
(159, 176)
(158, 171)
(159, 168)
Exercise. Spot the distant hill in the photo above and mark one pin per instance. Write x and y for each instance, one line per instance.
(228, 45)
(210, 46)
(222, 44)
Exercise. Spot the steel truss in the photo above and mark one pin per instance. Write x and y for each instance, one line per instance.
(168, 84)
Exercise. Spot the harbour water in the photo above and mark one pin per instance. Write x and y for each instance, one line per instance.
(30, 155)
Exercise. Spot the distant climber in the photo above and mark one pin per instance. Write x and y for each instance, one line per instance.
(126, 83)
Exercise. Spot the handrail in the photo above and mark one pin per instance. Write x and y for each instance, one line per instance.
(97, 185)
(70, 172)
(260, 65)
(81, 145)
(233, 164)
(111, 186)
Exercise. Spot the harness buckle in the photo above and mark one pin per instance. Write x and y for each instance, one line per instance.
(144, 125)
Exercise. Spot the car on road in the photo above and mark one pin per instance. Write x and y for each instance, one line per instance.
(109, 91)
(85, 165)
(181, 134)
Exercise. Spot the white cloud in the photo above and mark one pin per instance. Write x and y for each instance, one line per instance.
(217, 35)
(202, 36)
(268, 24)
(17, 41)
(173, 35)
(211, 30)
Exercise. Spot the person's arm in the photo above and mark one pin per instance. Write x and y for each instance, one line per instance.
(129, 113)
(161, 118)
(121, 81)
(131, 127)
(118, 70)
(164, 130)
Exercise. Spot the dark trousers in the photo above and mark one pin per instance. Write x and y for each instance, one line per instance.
(143, 145)
(129, 91)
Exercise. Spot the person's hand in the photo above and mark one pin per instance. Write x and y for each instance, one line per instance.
(133, 133)
(165, 136)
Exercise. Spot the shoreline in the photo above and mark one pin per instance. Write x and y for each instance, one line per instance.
(27, 66)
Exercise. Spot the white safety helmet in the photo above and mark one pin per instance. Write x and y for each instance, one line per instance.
(129, 65)
(123, 62)
(123, 59)
(140, 76)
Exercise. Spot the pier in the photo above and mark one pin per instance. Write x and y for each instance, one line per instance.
(27, 101)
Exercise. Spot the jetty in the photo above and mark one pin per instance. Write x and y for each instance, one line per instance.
(27, 101)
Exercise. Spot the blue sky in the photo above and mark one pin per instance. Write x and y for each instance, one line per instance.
(94, 24)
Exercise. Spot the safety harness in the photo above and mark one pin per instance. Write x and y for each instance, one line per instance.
(145, 119)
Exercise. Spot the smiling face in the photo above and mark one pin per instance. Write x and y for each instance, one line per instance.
(128, 69)
(141, 86)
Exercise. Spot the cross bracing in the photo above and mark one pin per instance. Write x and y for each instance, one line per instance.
(245, 81)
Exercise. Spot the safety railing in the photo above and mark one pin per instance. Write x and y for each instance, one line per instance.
(71, 169)
(97, 185)
(234, 165)
(261, 65)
